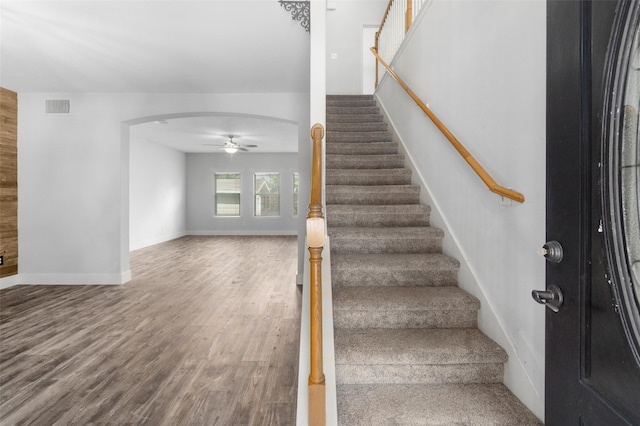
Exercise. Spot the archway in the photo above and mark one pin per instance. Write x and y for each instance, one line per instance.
(126, 130)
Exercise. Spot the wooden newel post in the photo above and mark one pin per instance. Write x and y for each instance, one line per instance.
(315, 242)
(408, 16)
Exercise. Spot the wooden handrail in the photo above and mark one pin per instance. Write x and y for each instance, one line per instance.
(480, 171)
(315, 242)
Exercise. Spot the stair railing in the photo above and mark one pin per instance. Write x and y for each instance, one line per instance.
(395, 23)
(477, 168)
(315, 243)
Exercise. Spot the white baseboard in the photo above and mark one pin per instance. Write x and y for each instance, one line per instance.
(7, 282)
(74, 279)
(223, 232)
(135, 245)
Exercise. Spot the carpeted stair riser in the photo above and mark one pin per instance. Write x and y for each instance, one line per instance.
(433, 374)
(389, 216)
(368, 177)
(386, 240)
(376, 126)
(405, 319)
(386, 161)
(353, 118)
(404, 307)
(362, 148)
(386, 194)
(372, 136)
(395, 270)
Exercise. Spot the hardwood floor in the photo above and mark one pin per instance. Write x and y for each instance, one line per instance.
(206, 333)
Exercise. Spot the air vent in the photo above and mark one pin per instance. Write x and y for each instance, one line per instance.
(57, 106)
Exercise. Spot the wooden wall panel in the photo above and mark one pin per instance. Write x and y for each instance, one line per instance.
(8, 182)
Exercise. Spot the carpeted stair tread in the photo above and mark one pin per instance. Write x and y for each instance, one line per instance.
(357, 103)
(386, 240)
(414, 346)
(373, 177)
(362, 148)
(347, 98)
(404, 307)
(452, 404)
(419, 270)
(377, 215)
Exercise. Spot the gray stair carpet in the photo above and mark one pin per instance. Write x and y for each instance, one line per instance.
(408, 350)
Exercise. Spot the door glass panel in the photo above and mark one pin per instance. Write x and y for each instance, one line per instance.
(623, 181)
(630, 169)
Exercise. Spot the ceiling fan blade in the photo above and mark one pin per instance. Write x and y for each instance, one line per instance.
(237, 148)
(212, 144)
(250, 146)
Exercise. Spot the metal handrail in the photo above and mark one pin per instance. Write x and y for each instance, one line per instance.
(477, 168)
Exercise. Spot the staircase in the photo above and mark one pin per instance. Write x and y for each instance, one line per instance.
(408, 350)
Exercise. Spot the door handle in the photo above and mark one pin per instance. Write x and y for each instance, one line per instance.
(551, 297)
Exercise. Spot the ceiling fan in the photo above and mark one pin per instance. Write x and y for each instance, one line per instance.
(231, 147)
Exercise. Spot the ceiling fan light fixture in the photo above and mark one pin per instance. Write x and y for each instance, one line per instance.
(230, 149)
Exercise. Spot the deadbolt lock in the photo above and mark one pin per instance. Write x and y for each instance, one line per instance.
(552, 251)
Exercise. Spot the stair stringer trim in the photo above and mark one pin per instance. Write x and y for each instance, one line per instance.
(516, 377)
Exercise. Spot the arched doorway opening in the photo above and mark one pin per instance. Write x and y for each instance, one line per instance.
(197, 135)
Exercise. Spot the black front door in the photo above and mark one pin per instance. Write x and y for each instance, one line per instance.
(593, 205)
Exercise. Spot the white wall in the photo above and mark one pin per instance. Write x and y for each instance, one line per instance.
(73, 212)
(157, 197)
(481, 68)
(345, 22)
(201, 169)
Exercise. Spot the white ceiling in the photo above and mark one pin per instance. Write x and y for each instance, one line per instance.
(159, 46)
(197, 134)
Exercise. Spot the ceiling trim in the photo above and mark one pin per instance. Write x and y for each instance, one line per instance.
(149, 118)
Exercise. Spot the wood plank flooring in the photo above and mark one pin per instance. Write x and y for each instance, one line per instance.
(206, 333)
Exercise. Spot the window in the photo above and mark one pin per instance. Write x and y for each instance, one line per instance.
(295, 194)
(227, 194)
(267, 194)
